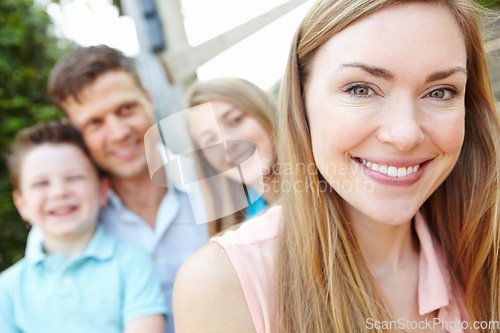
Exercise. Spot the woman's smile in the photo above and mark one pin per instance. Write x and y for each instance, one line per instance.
(396, 118)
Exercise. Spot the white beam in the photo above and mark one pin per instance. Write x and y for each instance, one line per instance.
(181, 62)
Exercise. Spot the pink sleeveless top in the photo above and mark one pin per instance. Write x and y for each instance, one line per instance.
(253, 251)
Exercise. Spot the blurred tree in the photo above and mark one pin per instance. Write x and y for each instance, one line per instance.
(491, 4)
(116, 3)
(28, 51)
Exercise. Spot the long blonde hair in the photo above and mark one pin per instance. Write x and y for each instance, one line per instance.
(324, 283)
(250, 99)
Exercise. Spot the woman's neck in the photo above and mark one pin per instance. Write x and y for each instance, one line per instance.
(386, 249)
(391, 255)
(269, 188)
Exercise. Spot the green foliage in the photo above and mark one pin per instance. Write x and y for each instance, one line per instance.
(491, 4)
(27, 53)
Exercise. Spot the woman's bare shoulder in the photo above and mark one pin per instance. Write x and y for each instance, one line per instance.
(208, 295)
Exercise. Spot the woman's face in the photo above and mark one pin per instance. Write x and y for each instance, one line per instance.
(242, 139)
(385, 105)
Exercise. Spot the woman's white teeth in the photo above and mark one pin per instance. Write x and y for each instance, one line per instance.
(390, 170)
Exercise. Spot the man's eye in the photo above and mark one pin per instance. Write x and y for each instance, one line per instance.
(126, 109)
(93, 123)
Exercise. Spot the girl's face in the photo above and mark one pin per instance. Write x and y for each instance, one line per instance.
(385, 105)
(242, 141)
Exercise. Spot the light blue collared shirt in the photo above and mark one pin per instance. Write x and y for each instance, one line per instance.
(99, 290)
(175, 237)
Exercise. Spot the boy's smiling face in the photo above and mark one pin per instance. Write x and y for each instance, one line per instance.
(59, 191)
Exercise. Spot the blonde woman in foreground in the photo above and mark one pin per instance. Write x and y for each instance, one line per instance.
(398, 226)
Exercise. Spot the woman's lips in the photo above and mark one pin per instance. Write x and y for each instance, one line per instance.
(395, 173)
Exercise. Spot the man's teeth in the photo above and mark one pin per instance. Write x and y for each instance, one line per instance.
(126, 150)
(390, 170)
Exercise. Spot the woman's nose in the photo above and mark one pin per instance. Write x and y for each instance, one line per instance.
(401, 125)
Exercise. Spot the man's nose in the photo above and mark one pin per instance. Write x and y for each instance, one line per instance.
(116, 128)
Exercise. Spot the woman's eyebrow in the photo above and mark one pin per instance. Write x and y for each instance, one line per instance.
(388, 75)
(372, 70)
(444, 74)
(227, 112)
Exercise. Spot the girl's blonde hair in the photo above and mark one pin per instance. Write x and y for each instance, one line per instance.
(324, 283)
(254, 101)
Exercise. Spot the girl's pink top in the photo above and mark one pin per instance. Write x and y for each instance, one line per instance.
(253, 251)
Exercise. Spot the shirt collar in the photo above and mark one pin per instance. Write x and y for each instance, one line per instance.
(37, 253)
(168, 209)
(99, 248)
(436, 288)
(173, 184)
(114, 200)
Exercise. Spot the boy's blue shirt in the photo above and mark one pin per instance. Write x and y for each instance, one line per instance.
(99, 290)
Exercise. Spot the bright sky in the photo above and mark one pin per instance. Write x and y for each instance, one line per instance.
(261, 58)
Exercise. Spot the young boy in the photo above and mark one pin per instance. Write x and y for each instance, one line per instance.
(77, 279)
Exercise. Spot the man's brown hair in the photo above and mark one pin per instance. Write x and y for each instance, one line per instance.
(53, 133)
(81, 67)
